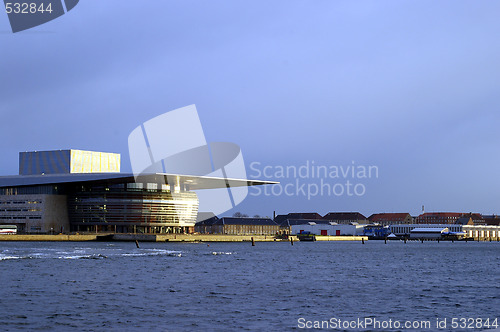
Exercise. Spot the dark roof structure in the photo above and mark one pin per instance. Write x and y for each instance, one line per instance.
(492, 220)
(388, 217)
(297, 215)
(245, 221)
(292, 222)
(439, 215)
(306, 215)
(347, 216)
(206, 219)
(464, 220)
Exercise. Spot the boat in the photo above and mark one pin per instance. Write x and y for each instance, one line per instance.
(306, 236)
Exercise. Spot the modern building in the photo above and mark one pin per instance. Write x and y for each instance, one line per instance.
(83, 191)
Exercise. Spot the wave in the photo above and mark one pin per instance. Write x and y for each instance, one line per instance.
(5, 257)
(89, 254)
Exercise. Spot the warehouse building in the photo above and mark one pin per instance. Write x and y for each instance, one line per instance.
(330, 229)
(238, 226)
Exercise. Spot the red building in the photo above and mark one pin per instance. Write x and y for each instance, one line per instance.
(493, 220)
(439, 217)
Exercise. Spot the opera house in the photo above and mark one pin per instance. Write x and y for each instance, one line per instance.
(64, 191)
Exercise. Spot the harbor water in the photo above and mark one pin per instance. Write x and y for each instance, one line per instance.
(94, 286)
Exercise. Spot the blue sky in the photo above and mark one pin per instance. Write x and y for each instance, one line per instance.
(410, 87)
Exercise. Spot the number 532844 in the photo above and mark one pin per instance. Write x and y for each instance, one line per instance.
(27, 8)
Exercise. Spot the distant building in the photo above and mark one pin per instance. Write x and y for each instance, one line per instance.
(304, 215)
(481, 232)
(464, 220)
(204, 222)
(405, 229)
(438, 218)
(330, 229)
(477, 232)
(492, 220)
(239, 226)
(346, 217)
(390, 218)
(432, 233)
(297, 215)
(376, 231)
(477, 218)
(286, 225)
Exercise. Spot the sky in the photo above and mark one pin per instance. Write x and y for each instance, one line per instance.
(410, 88)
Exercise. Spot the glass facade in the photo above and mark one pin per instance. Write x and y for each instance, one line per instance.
(131, 208)
(32, 190)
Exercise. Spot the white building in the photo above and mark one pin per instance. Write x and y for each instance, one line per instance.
(482, 232)
(428, 233)
(330, 229)
(478, 232)
(405, 230)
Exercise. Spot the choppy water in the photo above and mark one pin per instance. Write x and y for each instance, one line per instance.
(231, 286)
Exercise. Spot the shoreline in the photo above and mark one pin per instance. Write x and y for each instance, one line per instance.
(163, 238)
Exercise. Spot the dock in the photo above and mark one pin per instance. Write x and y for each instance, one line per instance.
(142, 237)
(341, 238)
(166, 238)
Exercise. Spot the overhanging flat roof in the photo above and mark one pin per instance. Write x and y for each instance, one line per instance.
(429, 230)
(193, 181)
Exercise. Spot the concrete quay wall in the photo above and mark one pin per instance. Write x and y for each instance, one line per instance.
(165, 237)
(139, 237)
(215, 238)
(44, 237)
(341, 238)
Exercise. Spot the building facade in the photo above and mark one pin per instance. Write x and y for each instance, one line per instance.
(439, 217)
(385, 219)
(330, 229)
(483, 232)
(83, 191)
(404, 230)
(34, 213)
(239, 226)
(346, 217)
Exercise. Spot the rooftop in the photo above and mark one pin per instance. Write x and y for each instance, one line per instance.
(194, 182)
(344, 216)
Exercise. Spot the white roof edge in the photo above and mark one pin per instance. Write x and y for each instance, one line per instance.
(197, 182)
